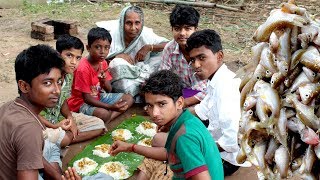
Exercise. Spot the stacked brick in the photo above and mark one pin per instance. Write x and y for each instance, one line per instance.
(47, 29)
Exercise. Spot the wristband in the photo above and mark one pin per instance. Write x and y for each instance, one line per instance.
(151, 47)
(132, 147)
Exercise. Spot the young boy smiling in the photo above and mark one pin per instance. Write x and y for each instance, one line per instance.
(184, 21)
(91, 88)
(221, 104)
(189, 149)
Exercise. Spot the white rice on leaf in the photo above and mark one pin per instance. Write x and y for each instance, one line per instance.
(121, 134)
(147, 128)
(102, 150)
(115, 169)
(85, 165)
(145, 142)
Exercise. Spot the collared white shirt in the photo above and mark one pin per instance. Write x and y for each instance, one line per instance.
(221, 106)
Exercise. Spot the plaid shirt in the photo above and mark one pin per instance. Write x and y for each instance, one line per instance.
(53, 114)
(173, 59)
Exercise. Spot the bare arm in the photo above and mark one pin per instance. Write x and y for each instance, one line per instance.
(158, 47)
(202, 176)
(65, 111)
(28, 174)
(190, 101)
(47, 123)
(50, 171)
(158, 153)
(106, 85)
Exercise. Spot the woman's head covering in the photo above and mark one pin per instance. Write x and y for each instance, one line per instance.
(123, 14)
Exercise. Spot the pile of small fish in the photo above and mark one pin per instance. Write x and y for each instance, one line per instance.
(280, 101)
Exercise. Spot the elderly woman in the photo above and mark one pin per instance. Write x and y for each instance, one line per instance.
(135, 50)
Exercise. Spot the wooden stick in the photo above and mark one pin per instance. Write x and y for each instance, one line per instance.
(197, 4)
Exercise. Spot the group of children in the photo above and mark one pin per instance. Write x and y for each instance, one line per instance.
(65, 99)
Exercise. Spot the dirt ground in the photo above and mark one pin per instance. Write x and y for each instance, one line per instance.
(235, 28)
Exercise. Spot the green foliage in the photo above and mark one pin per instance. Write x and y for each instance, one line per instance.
(131, 160)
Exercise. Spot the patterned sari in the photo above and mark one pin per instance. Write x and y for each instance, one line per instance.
(127, 77)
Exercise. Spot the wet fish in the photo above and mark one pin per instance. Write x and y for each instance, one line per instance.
(267, 60)
(301, 79)
(308, 92)
(274, 42)
(307, 162)
(250, 101)
(292, 8)
(276, 79)
(259, 151)
(317, 150)
(281, 159)
(284, 52)
(245, 118)
(268, 100)
(272, 147)
(312, 76)
(295, 125)
(277, 18)
(292, 76)
(309, 136)
(294, 38)
(280, 130)
(296, 163)
(311, 60)
(304, 113)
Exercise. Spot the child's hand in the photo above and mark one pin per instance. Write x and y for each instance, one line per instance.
(120, 146)
(121, 105)
(102, 72)
(65, 124)
(74, 130)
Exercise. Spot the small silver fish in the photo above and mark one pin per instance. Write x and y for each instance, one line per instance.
(281, 159)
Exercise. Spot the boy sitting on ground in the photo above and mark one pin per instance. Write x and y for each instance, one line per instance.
(91, 88)
(78, 127)
(189, 149)
(221, 104)
(39, 78)
(184, 21)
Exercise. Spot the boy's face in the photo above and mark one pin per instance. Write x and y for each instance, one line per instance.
(162, 109)
(71, 57)
(132, 25)
(99, 50)
(44, 90)
(204, 62)
(182, 33)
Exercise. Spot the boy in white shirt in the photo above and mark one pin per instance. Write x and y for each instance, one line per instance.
(221, 104)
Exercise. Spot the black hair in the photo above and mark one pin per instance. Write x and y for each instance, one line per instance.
(98, 33)
(163, 82)
(37, 60)
(184, 15)
(65, 42)
(208, 38)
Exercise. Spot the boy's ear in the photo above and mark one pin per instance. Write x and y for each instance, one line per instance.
(23, 86)
(220, 56)
(87, 47)
(180, 102)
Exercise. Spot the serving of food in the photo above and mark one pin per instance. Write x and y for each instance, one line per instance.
(147, 128)
(145, 142)
(115, 169)
(85, 165)
(121, 134)
(102, 150)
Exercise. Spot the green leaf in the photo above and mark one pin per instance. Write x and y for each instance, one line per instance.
(131, 160)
